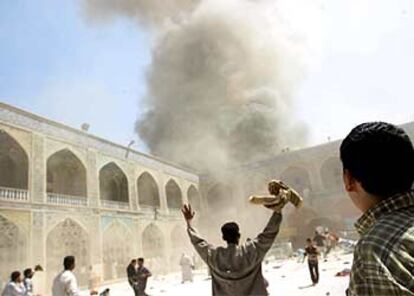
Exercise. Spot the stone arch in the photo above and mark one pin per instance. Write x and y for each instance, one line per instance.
(14, 163)
(298, 178)
(68, 238)
(174, 196)
(117, 250)
(148, 193)
(153, 242)
(180, 244)
(66, 174)
(113, 183)
(13, 248)
(193, 197)
(331, 174)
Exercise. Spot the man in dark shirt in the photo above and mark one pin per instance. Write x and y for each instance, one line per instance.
(312, 252)
(142, 276)
(132, 275)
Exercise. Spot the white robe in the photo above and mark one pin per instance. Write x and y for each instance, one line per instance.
(14, 289)
(65, 284)
(186, 268)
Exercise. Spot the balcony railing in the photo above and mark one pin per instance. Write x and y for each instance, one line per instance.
(114, 204)
(67, 200)
(14, 194)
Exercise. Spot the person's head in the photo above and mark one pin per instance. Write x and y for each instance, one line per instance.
(69, 263)
(133, 261)
(309, 241)
(231, 233)
(378, 162)
(16, 277)
(140, 262)
(28, 273)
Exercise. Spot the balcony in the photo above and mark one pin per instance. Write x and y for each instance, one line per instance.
(66, 200)
(112, 204)
(14, 194)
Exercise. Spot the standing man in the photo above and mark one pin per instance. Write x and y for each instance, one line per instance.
(378, 163)
(187, 266)
(15, 287)
(142, 276)
(28, 284)
(65, 283)
(312, 252)
(132, 275)
(236, 269)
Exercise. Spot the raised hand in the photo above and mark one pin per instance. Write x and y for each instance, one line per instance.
(188, 213)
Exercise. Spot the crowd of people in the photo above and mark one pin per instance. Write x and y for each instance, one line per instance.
(378, 175)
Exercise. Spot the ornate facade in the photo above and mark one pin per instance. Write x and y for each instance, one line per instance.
(64, 191)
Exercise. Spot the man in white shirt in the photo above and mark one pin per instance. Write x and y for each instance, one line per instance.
(65, 283)
(15, 287)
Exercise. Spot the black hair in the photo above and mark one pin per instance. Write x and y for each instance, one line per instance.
(27, 272)
(381, 157)
(133, 260)
(15, 275)
(308, 240)
(231, 232)
(140, 259)
(68, 262)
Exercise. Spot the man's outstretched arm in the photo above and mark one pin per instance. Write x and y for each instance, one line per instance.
(202, 247)
(265, 239)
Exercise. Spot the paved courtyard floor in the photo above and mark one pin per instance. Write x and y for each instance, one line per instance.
(285, 278)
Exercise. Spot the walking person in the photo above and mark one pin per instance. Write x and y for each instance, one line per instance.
(132, 275)
(378, 168)
(142, 277)
(15, 287)
(312, 252)
(237, 268)
(65, 283)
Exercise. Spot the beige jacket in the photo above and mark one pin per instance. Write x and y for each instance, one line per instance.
(237, 269)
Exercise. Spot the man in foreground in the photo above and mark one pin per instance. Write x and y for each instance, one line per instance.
(65, 283)
(236, 269)
(378, 163)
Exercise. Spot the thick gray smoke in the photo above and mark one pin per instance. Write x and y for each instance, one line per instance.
(221, 81)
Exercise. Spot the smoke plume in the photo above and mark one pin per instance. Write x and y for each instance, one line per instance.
(221, 80)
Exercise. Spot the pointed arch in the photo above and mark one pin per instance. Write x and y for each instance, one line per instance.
(298, 178)
(153, 242)
(148, 193)
(113, 183)
(13, 246)
(174, 196)
(331, 174)
(68, 238)
(193, 197)
(14, 163)
(117, 250)
(66, 174)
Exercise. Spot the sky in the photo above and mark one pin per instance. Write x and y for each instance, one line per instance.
(57, 64)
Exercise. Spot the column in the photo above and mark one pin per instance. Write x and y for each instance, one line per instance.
(38, 170)
(163, 197)
(92, 179)
(38, 250)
